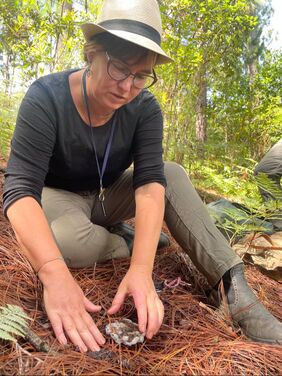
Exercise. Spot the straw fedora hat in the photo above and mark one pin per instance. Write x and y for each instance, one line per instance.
(137, 21)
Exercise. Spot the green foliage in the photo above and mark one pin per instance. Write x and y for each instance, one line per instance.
(238, 223)
(239, 185)
(214, 43)
(269, 186)
(39, 37)
(13, 322)
(8, 111)
(255, 219)
(226, 178)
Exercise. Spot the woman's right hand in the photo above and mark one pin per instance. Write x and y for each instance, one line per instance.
(67, 308)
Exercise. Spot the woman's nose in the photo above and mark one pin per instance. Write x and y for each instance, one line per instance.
(126, 84)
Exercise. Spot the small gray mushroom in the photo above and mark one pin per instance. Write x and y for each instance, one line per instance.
(125, 332)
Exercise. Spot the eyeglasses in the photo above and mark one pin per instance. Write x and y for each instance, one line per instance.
(119, 71)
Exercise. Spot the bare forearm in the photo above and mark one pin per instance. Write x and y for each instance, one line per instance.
(33, 232)
(148, 223)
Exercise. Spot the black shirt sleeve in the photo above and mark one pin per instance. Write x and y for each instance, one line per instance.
(31, 147)
(147, 150)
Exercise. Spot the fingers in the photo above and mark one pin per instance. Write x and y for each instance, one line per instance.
(118, 301)
(80, 329)
(77, 334)
(89, 306)
(150, 312)
(141, 307)
(86, 333)
(69, 317)
(155, 317)
(57, 325)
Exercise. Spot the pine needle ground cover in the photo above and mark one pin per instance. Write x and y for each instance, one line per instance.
(195, 338)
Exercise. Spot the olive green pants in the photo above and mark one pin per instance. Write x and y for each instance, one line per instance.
(78, 224)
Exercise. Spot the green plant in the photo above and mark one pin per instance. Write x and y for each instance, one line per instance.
(226, 179)
(13, 322)
(236, 223)
(269, 186)
(8, 111)
(6, 131)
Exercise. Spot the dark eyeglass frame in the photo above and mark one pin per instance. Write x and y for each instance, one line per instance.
(111, 61)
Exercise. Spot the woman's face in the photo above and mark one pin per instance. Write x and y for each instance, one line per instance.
(108, 94)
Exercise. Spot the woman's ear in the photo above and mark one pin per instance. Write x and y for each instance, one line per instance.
(90, 56)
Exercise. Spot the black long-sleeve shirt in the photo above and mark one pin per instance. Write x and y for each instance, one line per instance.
(52, 145)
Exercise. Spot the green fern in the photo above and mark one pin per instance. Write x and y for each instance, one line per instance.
(13, 322)
(234, 223)
(269, 186)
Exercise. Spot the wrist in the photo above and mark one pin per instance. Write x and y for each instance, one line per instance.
(141, 267)
(59, 258)
(142, 261)
(51, 271)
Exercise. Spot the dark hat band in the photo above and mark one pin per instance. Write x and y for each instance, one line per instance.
(134, 27)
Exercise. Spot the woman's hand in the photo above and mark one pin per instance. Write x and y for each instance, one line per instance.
(68, 308)
(138, 284)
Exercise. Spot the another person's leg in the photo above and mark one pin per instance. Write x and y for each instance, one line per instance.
(271, 167)
(267, 195)
(191, 226)
(270, 194)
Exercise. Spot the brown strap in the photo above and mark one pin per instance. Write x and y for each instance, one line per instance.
(225, 302)
(247, 308)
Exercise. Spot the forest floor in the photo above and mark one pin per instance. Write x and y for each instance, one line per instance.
(195, 339)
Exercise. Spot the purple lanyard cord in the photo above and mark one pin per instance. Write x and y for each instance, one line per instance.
(108, 147)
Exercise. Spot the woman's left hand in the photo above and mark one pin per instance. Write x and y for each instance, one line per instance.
(138, 283)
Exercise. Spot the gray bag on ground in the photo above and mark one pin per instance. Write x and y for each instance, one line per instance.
(235, 220)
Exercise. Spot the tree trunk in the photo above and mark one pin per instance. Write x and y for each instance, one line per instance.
(253, 70)
(67, 6)
(201, 105)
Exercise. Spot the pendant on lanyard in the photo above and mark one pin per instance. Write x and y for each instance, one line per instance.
(102, 197)
(101, 172)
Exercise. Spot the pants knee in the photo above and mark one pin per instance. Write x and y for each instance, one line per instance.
(84, 245)
(73, 245)
(177, 178)
(174, 170)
